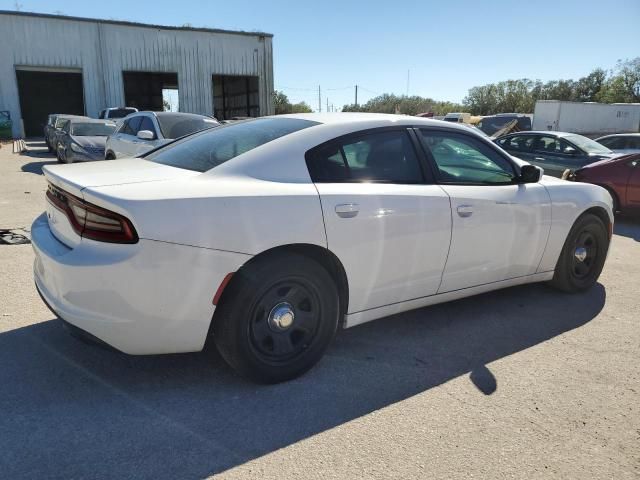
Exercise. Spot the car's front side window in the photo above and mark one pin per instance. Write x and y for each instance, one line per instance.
(462, 159)
(131, 126)
(383, 157)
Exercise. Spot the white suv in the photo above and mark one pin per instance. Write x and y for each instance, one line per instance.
(143, 131)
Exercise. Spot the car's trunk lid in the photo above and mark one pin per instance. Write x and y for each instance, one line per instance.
(75, 177)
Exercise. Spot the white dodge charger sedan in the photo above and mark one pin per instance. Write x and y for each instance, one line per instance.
(267, 235)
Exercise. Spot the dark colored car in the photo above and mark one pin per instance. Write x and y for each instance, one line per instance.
(83, 140)
(492, 123)
(55, 122)
(620, 176)
(555, 152)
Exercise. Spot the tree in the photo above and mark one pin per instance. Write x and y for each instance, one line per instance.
(408, 105)
(301, 107)
(282, 105)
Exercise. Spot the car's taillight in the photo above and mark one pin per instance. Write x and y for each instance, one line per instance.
(91, 221)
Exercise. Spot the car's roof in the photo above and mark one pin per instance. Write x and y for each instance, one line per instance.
(91, 120)
(619, 135)
(353, 118)
(542, 132)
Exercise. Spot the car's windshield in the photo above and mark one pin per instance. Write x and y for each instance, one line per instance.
(94, 129)
(176, 125)
(586, 144)
(209, 149)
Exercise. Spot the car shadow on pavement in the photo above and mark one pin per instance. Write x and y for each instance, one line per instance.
(628, 226)
(71, 410)
(36, 167)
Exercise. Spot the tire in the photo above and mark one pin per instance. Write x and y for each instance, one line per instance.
(49, 148)
(253, 329)
(62, 158)
(109, 156)
(575, 272)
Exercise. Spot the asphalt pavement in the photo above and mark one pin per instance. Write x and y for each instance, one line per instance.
(525, 382)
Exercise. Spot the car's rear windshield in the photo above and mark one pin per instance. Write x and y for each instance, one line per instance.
(209, 149)
(94, 129)
(121, 112)
(586, 144)
(176, 125)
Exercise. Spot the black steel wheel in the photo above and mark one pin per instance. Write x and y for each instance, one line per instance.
(277, 317)
(583, 255)
(285, 321)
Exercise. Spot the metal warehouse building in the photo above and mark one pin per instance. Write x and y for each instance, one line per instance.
(58, 64)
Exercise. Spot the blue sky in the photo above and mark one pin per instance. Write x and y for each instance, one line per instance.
(447, 46)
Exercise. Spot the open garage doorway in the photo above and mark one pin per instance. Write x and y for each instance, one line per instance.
(235, 96)
(46, 91)
(144, 90)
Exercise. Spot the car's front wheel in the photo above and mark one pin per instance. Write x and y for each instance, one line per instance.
(277, 317)
(583, 255)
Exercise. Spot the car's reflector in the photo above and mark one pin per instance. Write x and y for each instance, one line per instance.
(223, 284)
(91, 221)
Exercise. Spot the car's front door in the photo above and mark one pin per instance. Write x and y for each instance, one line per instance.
(387, 223)
(500, 227)
(143, 146)
(126, 140)
(633, 186)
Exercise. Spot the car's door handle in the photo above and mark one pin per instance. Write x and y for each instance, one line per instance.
(465, 211)
(347, 210)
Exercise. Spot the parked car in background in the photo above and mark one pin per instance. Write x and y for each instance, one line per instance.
(492, 123)
(620, 176)
(267, 235)
(116, 112)
(57, 132)
(83, 139)
(140, 132)
(554, 151)
(55, 121)
(621, 142)
(457, 117)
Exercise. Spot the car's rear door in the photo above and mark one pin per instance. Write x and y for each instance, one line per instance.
(555, 155)
(500, 227)
(384, 219)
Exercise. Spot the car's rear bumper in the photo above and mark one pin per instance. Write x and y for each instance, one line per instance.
(147, 298)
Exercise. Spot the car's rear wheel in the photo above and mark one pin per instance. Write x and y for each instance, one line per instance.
(109, 156)
(49, 147)
(276, 318)
(583, 255)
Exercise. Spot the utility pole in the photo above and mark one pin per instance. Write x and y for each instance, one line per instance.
(356, 95)
(319, 101)
(327, 110)
(408, 82)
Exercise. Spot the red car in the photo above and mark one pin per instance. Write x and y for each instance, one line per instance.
(621, 176)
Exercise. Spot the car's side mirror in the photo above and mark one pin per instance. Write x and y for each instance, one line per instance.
(570, 151)
(530, 174)
(146, 135)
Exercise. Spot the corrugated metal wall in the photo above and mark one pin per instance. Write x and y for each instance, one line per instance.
(103, 50)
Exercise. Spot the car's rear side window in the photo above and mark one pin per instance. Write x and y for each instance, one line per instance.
(384, 157)
(208, 149)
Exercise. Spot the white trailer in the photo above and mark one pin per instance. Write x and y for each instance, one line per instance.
(589, 118)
